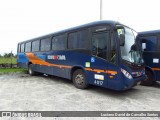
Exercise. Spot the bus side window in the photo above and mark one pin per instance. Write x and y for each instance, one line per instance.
(83, 42)
(45, 44)
(99, 44)
(35, 45)
(73, 40)
(28, 47)
(112, 57)
(19, 48)
(59, 42)
(22, 47)
(78, 40)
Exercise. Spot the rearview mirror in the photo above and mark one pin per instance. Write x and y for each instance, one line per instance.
(143, 46)
(122, 40)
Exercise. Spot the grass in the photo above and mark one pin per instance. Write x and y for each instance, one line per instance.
(12, 60)
(11, 70)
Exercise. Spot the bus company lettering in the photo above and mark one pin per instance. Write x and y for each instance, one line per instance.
(56, 57)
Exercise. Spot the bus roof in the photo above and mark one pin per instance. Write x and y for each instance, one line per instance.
(151, 32)
(102, 22)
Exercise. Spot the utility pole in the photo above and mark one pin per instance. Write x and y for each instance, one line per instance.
(11, 58)
(101, 9)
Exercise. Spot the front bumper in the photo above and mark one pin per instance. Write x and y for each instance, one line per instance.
(133, 82)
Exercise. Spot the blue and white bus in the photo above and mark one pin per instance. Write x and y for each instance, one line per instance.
(150, 42)
(102, 53)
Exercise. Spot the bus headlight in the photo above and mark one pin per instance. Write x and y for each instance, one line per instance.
(126, 74)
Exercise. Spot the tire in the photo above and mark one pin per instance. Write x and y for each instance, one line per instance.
(30, 70)
(149, 80)
(79, 79)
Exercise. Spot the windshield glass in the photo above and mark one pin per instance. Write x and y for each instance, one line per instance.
(129, 50)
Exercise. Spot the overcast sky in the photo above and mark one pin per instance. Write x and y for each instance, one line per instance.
(25, 19)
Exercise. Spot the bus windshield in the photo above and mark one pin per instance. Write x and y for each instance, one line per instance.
(129, 50)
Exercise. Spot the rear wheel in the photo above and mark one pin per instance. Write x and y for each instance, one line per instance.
(149, 80)
(79, 79)
(30, 70)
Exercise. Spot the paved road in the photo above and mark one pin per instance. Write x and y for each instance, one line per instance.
(21, 92)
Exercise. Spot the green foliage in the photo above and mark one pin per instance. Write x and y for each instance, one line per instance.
(10, 70)
(7, 55)
(9, 60)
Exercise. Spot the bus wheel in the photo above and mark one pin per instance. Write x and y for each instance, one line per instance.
(79, 79)
(149, 80)
(30, 70)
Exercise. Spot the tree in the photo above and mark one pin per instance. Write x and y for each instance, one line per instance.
(6, 55)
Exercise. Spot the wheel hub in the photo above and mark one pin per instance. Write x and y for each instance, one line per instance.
(79, 79)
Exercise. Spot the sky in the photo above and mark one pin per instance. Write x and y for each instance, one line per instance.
(25, 19)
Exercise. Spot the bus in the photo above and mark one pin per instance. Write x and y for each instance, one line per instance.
(150, 44)
(101, 53)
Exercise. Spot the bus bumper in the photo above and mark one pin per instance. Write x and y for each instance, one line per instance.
(134, 82)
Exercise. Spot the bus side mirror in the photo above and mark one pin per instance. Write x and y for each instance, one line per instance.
(143, 46)
(122, 40)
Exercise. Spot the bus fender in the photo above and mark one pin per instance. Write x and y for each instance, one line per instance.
(150, 69)
(29, 64)
(74, 68)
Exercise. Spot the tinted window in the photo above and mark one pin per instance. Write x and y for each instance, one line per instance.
(45, 44)
(22, 47)
(99, 44)
(83, 41)
(59, 42)
(78, 40)
(28, 47)
(73, 40)
(19, 48)
(35, 45)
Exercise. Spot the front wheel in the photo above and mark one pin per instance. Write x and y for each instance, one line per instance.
(79, 79)
(149, 80)
(30, 70)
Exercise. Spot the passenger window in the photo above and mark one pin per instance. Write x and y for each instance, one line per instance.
(22, 47)
(19, 48)
(78, 40)
(73, 40)
(35, 45)
(28, 47)
(45, 44)
(83, 41)
(99, 44)
(59, 42)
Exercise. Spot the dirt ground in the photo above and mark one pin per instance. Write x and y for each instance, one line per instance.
(22, 92)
